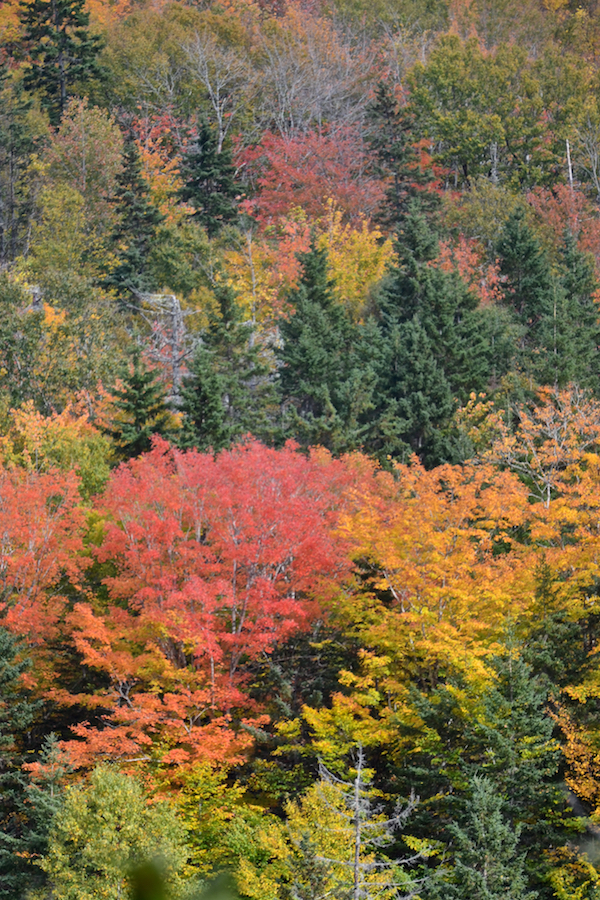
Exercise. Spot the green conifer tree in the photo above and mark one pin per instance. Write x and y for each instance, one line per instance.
(570, 332)
(229, 392)
(433, 348)
(392, 135)
(16, 147)
(209, 181)
(488, 864)
(527, 285)
(136, 227)
(325, 385)
(61, 49)
(18, 712)
(141, 408)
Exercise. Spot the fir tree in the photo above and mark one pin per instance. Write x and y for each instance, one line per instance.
(209, 181)
(38, 798)
(141, 407)
(527, 285)
(61, 50)
(16, 147)
(569, 333)
(325, 385)
(136, 227)
(17, 715)
(229, 390)
(433, 348)
(392, 137)
(487, 862)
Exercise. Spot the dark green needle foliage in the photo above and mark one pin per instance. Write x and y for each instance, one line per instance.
(138, 220)
(229, 392)
(326, 381)
(528, 288)
(433, 345)
(62, 51)
(309, 876)
(570, 331)
(209, 181)
(18, 713)
(391, 134)
(142, 410)
(487, 861)
(16, 147)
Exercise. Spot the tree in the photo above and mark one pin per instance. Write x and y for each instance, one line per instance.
(103, 829)
(570, 331)
(337, 825)
(527, 284)
(325, 389)
(132, 236)
(230, 388)
(393, 135)
(37, 799)
(216, 560)
(209, 180)
(487, 862)
(431, 344)
(16, 146)
(61, 49)
(141, 409)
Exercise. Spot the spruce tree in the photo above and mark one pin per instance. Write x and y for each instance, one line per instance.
(16, 148)
(527, 286)
(392, 136)
(61, 49)
(433, 349)
(569, 333)
(137, 222)
(209, 181)
(141, 409)
(488, 864)
(325, 386)
(17, 715)
(229, 391)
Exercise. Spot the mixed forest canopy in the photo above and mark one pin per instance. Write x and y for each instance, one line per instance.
(299, 449)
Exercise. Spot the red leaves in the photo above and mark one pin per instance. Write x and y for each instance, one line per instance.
(40, 538)
(307, 171)
(217, 560)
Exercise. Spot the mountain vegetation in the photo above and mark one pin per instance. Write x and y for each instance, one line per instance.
(299, 450)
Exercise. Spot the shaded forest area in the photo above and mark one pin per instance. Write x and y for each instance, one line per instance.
(300, 449)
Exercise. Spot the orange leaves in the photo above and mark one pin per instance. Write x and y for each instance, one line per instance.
(429, 537)
(40, 538)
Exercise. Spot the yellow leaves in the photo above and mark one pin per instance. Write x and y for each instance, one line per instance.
(164, 180)
(358, 257)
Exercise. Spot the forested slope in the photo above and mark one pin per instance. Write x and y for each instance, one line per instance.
(300, 448)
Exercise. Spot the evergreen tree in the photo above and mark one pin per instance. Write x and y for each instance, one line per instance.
(229, 390)
(136, 227)
(487, 862)
(326, 382)
(17, 715)
(309, 875)
(209, 181)
(61, 50)
(141, 408)
(16, 147)
(38, 798)
(570, 331)
(433, 347)
(527, 284)
(392, 136)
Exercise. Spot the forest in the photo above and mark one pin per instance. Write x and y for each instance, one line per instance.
(299, 450)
